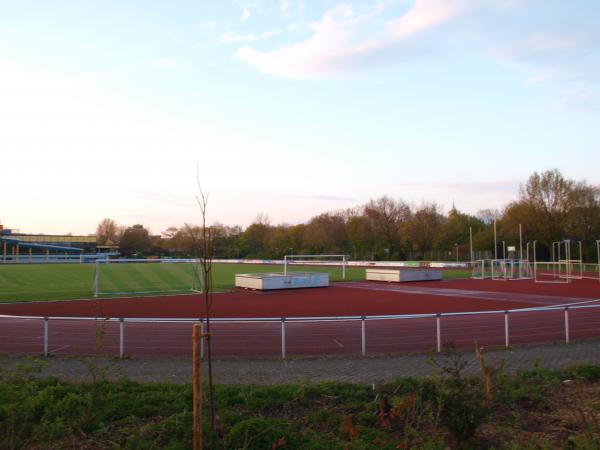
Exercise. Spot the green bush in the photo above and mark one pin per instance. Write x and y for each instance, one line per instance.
(260, 434)
(463, 407)
(409, 413)
(587, 372)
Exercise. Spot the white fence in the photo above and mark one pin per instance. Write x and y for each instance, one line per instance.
(300, 336)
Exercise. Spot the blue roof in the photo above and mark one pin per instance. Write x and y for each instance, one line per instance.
(22, 244)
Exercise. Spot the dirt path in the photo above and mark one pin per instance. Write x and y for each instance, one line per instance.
(355, 370)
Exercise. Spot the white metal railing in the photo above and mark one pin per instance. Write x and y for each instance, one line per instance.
(589, 304)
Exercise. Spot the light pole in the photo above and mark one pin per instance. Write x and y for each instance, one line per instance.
(456, 247)
(471, 242)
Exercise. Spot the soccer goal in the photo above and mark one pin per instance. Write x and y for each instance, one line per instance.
(335, 265)
(558, 269)
(510, 269)
(145, 277)
(481, 269)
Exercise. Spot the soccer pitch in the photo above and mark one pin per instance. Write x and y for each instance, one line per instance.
(45, 282)
(40, 282)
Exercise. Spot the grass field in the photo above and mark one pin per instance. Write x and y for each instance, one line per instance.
(39, 282)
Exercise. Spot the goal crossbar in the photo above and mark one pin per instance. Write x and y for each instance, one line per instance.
(325, 260)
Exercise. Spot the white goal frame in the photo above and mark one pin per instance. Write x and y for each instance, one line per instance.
(304, 260)
(108, 261)
(478, 269)
(510, 269)
(561, 268)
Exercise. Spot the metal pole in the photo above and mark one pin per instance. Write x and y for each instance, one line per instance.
(567, 324)
(580, 260)
(344, 267)
(121, 338)
(598, 251)
(495, 241)
(282, 338)
(534, 262)
(520, 241)
(471, 242)
(439, 333)
(96, 278)
(285, 264)
(506, 340)
(201, 339)
(363, 337)
(45, 336)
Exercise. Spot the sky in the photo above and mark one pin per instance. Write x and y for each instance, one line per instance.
(287, 108)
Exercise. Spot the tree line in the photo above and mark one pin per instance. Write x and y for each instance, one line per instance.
(549, 207)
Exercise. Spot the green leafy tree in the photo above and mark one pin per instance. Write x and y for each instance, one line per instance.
(135, 241)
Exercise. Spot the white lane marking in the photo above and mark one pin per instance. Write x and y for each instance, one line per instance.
(59, 349)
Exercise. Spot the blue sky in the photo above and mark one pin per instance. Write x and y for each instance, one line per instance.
(290, 108)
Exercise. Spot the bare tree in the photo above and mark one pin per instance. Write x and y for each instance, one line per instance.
(387, 217)
(206, 252)
(107, 231)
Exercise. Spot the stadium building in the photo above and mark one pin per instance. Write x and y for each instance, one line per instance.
(16, 246)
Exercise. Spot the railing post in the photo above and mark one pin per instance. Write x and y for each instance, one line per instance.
(201, 338)
(506, 338)
(363, 336)
(45, 336)
(439, 332)
(567, 324)
(283, 338)
(121, 338)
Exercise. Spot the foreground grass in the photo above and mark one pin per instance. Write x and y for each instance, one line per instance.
(533, 409)
(41, 282)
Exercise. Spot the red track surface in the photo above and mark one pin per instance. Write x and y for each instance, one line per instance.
(348, 299)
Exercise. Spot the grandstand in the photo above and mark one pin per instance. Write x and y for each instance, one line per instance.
(16, 246)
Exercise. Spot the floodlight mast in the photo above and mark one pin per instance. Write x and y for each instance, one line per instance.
(520, 241)
(495, 240)
(471, 242)
(598, 251)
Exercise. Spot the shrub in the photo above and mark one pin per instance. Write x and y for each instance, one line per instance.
(259, 434)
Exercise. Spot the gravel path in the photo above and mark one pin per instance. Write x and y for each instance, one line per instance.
(355, 370)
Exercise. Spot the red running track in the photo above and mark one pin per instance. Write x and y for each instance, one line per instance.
(312, 338)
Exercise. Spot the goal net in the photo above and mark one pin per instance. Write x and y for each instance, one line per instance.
(511, 269)
(144, 277)
(566, 263)
(502, 269)
(552, 272)
(335, 265)
(481, 269)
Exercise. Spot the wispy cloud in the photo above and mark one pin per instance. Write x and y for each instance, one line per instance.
(467, 187)
(168, 64)
(233, 38)
(207, 25)
(271, 33)
(245, 14)
(568, 61)
(325, 198)
(339, 41)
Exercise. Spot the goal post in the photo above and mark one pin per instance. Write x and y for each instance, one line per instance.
(326, 261)
(146, 277)
(558, 270)
(480, 269)
(502, 269)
